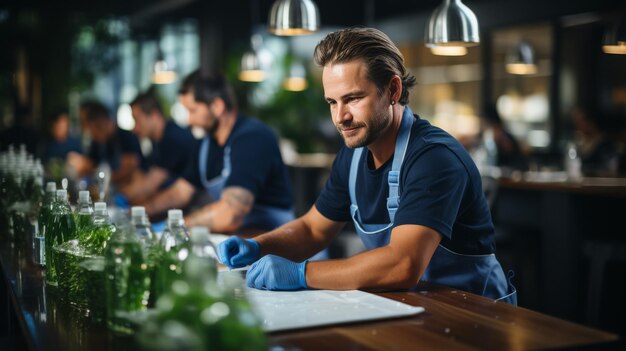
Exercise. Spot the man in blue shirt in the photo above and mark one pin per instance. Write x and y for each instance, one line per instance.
(172, 148)
(238, 164)
(411, 190)
(117, 147)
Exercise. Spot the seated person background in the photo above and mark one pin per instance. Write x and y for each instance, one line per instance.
(597, 151)
(109, 144)
(172, 148)
(509, 152)
(58, 144)
(238, 164)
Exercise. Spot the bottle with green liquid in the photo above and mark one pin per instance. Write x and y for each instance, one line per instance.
(62, 228)
(43, 222)
(127, 281)
(171, 253)
(83, 212)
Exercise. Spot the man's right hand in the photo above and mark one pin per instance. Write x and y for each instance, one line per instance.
(236, 252)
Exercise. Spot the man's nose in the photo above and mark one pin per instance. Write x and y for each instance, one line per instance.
(342, 114)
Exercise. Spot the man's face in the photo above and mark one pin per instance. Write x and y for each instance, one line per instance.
(356, 107)
(100, 129)
(199, 113)
(61, 128)
(143, 122)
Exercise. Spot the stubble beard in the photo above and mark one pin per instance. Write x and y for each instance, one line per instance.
(372, 131)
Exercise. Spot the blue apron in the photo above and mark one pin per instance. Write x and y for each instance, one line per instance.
(261, 217)
(479, 274)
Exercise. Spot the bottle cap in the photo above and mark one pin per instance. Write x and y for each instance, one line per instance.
(175, 215)
(100, 206)
(62, 194)
(83, 196)
(199, 234)
(137, 211)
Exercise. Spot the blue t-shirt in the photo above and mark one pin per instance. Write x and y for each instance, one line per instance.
(256, 164)
(122, 142)
(174, 152)
(59, 150)
(440, 188)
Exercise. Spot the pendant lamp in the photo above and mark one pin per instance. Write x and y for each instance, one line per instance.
(454, 25)
(293, 17)
(162, 71)
(614, 41)
(521, 60)
(296, 80)
(251, 65)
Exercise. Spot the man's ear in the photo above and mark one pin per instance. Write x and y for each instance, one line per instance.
(395, 88)
(218, 107)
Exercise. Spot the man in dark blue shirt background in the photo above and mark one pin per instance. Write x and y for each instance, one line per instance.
(238, 164)
(172, 148)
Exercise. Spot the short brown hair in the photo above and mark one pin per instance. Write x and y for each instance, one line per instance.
(381, 56)
(148, 102)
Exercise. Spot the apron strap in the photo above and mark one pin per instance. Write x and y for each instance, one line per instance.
(202, 164)
(393, 179)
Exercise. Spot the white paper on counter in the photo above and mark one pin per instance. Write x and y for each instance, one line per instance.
(284, 310)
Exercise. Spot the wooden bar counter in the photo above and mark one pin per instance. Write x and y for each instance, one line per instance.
(453, 320)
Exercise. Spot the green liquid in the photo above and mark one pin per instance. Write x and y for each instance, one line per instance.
(61, 229)
(168, 267)
(83, 222)
(43, 223)
(126, 283)
(73, 283)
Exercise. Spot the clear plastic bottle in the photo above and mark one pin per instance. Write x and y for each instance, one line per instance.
(95, 240)
(127, 281)
(62, 228)
(84, 212)
(140, 222)
(43, 222)
(172, 252)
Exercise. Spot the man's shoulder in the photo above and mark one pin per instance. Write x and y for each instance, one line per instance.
(250, 127)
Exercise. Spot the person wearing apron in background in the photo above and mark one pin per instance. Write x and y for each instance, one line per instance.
(412, 191)
(238, 164)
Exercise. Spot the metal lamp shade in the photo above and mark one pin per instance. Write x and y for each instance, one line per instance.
(522, 60)
(452, 24)
(293, 17)
(615, 39)
(251, 70)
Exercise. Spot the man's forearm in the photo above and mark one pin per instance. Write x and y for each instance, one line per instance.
(294, 241)
(176, 196)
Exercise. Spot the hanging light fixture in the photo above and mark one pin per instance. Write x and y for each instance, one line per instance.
(296, 80)
(614, 41)
(162, 71)
(251, 64)
(521, 60)
(454, 26)
(293, 17)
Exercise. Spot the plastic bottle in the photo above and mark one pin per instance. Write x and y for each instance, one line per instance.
(84, 212)
(95, 241)
(126, 279)
(43, 222)
(140, 222)
(172, 252)
(62, 228)
(573, 163)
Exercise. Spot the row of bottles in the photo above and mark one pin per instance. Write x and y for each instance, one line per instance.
(157, 286)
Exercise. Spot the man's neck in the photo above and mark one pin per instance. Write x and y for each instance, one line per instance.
(383, 148)
(225, 127)
(159, 129)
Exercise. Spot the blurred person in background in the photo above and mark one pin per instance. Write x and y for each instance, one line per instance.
(598, 153)
(109, 144)
(238, 164)
(509, 152)
(55, 148)
(172, 148)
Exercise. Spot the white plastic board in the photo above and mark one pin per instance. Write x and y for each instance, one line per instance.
(284, 310)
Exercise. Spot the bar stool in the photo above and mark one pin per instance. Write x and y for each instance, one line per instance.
(599, 253)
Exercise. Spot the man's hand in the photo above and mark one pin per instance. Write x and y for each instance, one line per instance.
(236, 252)
(277, 273)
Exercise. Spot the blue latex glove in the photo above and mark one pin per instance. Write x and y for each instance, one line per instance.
(277, 273)
(121, 201)
(236, 252)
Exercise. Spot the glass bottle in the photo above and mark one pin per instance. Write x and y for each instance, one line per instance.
(62, 228)
(43, 222)
(126, 279)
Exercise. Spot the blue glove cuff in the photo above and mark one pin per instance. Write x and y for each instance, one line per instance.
(256, 248)
(302, 274)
